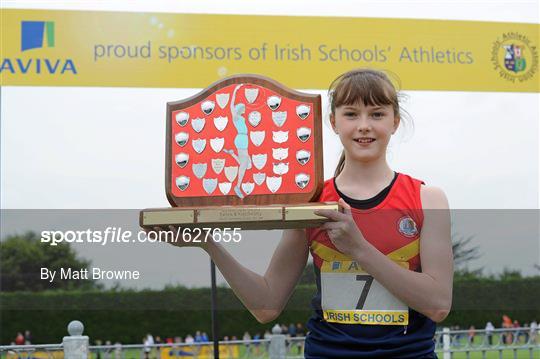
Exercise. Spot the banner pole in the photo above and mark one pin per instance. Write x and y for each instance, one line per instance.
(215, 334)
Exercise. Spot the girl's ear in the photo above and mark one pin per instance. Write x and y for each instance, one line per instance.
(397, 119)
(333, 122)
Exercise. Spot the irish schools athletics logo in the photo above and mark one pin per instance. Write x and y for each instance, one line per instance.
(407, 227)
(514, 57)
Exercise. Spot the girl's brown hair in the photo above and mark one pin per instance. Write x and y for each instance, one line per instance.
(371, 87)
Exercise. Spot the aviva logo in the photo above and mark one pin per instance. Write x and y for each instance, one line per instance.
(36, 35)
(32, 34)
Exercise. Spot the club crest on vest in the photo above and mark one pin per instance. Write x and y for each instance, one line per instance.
(407, 227)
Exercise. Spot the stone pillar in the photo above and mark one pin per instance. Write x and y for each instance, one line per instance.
(278, 347)
(76, 344)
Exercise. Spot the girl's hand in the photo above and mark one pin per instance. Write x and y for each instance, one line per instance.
(343, 231)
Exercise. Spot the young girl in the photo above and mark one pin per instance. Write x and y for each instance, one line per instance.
(383, 266)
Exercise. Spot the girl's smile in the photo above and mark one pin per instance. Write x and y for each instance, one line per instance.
(364, 141)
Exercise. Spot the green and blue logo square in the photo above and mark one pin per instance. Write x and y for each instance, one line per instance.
(33, 34)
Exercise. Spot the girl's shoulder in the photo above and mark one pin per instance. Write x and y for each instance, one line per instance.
(410, 180)
(433, 197)
(430, 196)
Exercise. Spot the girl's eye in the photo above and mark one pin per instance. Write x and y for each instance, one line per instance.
(378, 114)
(349, 114)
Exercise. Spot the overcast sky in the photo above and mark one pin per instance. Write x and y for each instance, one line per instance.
(103, 147)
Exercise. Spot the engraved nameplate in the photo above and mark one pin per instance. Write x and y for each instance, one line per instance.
(297, 213)
(240, 214)
(151, 218)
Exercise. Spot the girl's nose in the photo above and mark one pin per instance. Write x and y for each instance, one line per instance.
(363, 124)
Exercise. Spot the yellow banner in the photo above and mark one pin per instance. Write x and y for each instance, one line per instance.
(368, 317)
(82, 48)
(226, 351)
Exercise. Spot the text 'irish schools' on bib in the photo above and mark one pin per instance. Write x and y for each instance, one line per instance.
(352, 296)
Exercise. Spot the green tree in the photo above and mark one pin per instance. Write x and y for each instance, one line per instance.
(23, 256)
(469, 275)
(510, 274)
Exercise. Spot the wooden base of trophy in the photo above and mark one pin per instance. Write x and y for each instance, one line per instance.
(245, 217)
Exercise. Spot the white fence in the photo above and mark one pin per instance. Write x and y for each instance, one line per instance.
(501, 343)
(504, 343)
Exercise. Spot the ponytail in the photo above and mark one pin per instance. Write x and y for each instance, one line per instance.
(341, 164)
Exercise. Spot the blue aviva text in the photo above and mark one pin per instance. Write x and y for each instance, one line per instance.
(38, 66)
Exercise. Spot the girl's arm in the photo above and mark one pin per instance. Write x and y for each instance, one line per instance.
(428, 292)
(266, 295)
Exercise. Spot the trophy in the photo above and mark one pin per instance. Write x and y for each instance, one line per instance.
(245, 152)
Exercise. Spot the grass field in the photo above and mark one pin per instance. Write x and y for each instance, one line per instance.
(521, 354)
(243, 353)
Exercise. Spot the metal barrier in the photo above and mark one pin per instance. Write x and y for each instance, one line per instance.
(295, 347)
(227, 349)
(507, 343)
(51, 351)
(74, 346)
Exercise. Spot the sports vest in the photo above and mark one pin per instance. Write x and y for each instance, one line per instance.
(355, 316)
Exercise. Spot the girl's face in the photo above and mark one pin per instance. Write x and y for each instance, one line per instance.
(363, 130)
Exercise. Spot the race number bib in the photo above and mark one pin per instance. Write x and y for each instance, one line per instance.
(352, 296)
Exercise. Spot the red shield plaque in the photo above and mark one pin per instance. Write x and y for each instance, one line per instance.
(244, 140)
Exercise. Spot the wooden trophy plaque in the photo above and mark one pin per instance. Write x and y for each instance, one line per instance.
(245, 152)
